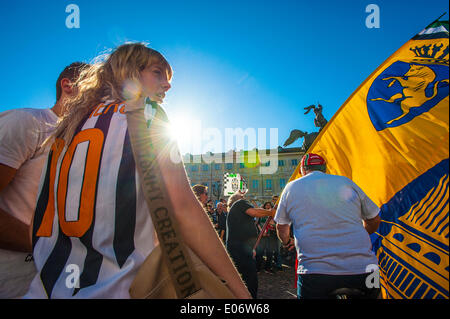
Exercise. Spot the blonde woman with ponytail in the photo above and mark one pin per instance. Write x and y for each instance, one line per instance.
(92, 229)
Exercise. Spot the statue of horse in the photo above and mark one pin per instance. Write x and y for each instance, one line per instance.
(296, 134)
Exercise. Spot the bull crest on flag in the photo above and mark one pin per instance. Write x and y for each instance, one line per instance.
(409, 88)
(391, 137)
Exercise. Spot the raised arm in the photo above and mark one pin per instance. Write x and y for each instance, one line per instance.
(196, 228)
(260, 212)
(193, 223)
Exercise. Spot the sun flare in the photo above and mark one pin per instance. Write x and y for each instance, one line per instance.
(181, 130)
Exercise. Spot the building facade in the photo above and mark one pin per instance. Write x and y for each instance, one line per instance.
(209, 169)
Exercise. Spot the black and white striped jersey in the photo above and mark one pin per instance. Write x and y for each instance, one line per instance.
(92, 228)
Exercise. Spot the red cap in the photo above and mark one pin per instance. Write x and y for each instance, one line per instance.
(312, 159)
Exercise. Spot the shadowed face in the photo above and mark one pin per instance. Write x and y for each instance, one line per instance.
(155, 81)
(203, 197)
(274, 200)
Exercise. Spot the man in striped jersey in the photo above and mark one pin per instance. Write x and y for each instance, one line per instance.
(92, 228)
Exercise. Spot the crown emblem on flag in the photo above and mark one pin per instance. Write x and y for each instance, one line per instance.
(435, 51)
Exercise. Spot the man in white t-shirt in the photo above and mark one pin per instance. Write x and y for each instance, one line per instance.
(22, 132)
(332, 219)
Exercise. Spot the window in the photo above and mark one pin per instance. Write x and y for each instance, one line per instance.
(267, 164)
(255, 184)
(205, 167)
(241, 165)
(229, 165)
(268, 184)
(280, 162)
(282, 182)
(217, 167)
(294, 162)
(194, 168)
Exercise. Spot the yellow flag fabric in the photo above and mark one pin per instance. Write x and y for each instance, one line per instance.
(391, 137)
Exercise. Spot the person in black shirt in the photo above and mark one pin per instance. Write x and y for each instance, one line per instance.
(221, 214)
(241, 237)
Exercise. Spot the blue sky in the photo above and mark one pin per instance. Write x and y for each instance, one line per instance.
(237, 64)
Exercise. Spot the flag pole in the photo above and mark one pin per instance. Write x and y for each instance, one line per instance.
(437, 19)
(440, 16)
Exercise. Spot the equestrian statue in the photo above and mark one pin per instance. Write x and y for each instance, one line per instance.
(319, 121)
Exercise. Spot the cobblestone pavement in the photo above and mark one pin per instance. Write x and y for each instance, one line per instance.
(280, 284)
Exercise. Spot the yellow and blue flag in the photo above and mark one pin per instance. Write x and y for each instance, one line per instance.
(391, 137)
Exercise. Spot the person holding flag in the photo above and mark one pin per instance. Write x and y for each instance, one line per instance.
(391, 137)
(332, 219)
(241, 235)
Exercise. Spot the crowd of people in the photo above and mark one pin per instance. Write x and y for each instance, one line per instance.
(310, 207)
(217, 214)
(70, 195)
(254, 244)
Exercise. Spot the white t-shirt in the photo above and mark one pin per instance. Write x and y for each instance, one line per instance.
(327, 212)
(22, 131)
